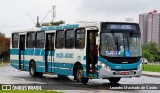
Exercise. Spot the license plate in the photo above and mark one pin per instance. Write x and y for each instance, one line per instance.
(124, 72)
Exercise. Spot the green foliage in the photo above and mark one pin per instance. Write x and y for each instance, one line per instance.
(53, 23)
(151, 51)
(151, 68)
(4, 43)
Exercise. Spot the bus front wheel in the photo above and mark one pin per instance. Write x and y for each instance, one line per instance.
(80, 75)
(114, 80)
(33, 72)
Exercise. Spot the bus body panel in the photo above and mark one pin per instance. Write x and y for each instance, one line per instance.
(62, 61)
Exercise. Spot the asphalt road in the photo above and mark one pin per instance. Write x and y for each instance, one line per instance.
(9, 75)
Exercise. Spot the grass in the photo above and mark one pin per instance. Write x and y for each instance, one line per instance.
(151, 68)
(28, 91)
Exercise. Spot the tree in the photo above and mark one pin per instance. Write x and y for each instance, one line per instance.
(53, 23)
(151, 51)
(4, 43)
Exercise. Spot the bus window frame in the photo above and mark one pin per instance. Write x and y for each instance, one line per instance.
(36, 39)
(27, 39)
(56, 40)
(12, 41)
(66, 39)
(84, 37)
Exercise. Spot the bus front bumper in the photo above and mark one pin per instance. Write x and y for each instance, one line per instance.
(107, 73)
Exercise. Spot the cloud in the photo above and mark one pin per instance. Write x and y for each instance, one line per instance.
(117, 6)
(13, 12)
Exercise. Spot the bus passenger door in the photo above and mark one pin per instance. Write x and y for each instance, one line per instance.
(21, 51)
(92, 53)
(49, 52)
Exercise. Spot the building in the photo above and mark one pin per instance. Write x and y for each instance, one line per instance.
(150, 27)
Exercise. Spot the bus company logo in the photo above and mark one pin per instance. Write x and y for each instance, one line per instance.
(6, 87)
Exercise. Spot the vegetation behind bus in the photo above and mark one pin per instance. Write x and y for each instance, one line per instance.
(4, 48)
(151, 52)
(53, 23)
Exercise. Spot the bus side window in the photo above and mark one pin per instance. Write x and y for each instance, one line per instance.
(80, 38)
(30, 40)
(40, 37)
(15, 38)
(70, 35)
(59, 39)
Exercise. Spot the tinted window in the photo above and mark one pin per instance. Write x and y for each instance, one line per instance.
(59, 39)
(31, 40)
(15, 40)
(80, 38)
(40, 40)
(50, 42)
(70, 34)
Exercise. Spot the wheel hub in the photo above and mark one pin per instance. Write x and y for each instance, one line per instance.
(80, 75)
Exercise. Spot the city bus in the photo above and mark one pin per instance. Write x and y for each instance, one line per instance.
(104, 50)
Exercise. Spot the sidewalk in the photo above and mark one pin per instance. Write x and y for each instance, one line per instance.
(151, 74)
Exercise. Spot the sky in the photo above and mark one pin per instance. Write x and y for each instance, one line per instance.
(21, 14)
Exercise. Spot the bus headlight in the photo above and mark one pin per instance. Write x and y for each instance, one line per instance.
(140, 66)
(105, 66)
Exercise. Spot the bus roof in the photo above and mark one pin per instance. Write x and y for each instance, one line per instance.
(27, 30)
(65, 26)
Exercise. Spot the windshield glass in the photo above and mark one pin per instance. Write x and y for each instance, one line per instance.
(120, 45)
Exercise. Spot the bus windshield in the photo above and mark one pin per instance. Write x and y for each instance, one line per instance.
(120, 44)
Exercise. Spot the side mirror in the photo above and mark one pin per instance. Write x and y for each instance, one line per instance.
(97, 42)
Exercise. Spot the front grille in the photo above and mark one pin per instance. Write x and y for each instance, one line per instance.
(122, 60)
(123, 69)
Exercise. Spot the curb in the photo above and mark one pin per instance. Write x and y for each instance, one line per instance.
(151, 75)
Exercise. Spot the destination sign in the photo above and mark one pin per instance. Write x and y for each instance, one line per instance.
(119, 26)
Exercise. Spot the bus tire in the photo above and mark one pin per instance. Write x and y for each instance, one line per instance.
(114, 80)
(80, 75)
(32, 70)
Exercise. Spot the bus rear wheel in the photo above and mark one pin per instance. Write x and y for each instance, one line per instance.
(33, 72)
(80, 75)
(114, 80)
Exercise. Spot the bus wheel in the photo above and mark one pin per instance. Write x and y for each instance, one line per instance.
(33, 72)
(114, 80)
(80, 75)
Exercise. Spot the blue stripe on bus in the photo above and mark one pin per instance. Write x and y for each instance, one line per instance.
(57, 28)
(70, 26)
(29, 52)
(60, 27)
(40, 63)
(14, 51)
(15, 66)
(63, 65)
(61, 68)
(36, 52)
(63, 71)
(40, 69)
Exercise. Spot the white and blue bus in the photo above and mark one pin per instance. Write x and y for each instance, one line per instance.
(107, 50)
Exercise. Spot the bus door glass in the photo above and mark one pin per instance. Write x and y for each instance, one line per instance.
(92, 52)
(21, 51)
(49, 52)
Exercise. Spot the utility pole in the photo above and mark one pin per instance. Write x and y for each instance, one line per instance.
(53, 13)
(37, 24)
